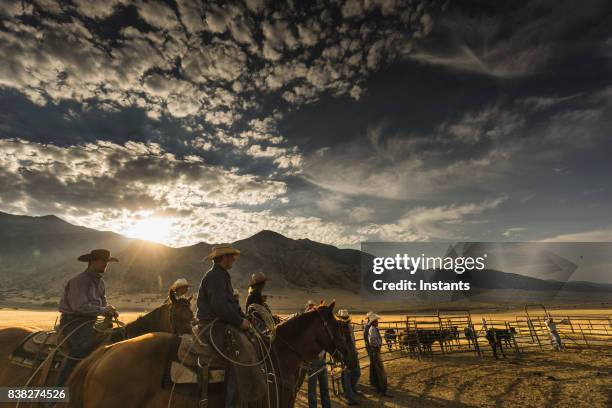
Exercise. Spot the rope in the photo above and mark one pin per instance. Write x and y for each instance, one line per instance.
(57, 348)
(264, 315)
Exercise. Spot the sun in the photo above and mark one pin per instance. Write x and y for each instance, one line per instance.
(151, 229)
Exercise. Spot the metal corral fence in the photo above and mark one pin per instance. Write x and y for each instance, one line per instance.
(454, 331)
(451, 332)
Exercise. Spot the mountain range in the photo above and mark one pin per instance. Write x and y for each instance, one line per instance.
(38, 254)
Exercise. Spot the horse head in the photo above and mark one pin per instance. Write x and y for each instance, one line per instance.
(329, 335)
(179, 314)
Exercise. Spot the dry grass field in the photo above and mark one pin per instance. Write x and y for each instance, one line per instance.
(573, 378)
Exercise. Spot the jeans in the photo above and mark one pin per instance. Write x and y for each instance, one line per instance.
(381, 377)
(80, 344)
(355, 375)
(372, 370)
(323, 385)
(556, 340)
(230, 388)
(350, 378)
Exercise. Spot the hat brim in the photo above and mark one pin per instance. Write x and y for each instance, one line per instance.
(88, 258)
(214, 254)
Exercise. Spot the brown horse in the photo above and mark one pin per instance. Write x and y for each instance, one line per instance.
(130, 373)
(173, 317)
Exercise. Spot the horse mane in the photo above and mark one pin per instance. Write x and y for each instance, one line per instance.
(144, 322)
(141, 325)
(298, 319)
(295, 322)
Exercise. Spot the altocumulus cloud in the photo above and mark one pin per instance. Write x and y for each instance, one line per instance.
(345, 120)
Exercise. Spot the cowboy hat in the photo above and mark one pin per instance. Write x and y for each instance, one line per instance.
(344, 314)
(310, 302)
(97, 255)
(373, 317)
(220, 250)
(180, 283)
(257, 277)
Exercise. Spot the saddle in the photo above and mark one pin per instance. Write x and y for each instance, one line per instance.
(35, 349)
(198, 362)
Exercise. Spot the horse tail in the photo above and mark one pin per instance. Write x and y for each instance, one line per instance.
(76, 381)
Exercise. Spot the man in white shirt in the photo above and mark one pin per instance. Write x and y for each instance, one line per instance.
(375, 342)
(554, 334)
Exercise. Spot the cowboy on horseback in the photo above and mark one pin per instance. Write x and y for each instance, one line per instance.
(216, 301)
(84, 299)
(180, 289)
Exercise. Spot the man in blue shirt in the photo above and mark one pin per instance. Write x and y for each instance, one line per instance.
(84, 299)
(216, 298)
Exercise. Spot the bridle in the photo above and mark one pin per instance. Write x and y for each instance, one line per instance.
(172, 322)
(173, 325)
(333, 339)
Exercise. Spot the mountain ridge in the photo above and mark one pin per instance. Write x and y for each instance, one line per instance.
(38, 254)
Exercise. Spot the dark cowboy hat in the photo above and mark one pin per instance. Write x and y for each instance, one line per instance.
(98, 255)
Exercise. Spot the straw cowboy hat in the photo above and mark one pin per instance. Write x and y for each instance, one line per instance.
(373, 317)
(98, 255)
(180, 283)
(344, 314)
(257, 277)
(310, 303)
(219, 250)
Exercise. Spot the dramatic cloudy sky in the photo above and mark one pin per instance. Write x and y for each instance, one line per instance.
(340, 121)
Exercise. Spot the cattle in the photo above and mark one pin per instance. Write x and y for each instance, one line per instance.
(496, 336)
(390, 338)
(415, 340)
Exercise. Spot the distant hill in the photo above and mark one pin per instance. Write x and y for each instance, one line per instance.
(39, 254)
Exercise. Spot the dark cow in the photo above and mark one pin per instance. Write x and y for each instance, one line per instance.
(390, 338)
(423, 339)
(496, 336)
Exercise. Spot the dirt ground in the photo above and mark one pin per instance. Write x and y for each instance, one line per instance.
(571, 378)
(538, 379)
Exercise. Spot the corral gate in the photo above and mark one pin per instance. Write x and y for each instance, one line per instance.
(440, 333)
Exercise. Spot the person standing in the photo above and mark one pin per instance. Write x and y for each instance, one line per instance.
(376, 342)
(366, 340)
(84, 299)
(351, 372)
(317, 372)
(555, 338)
